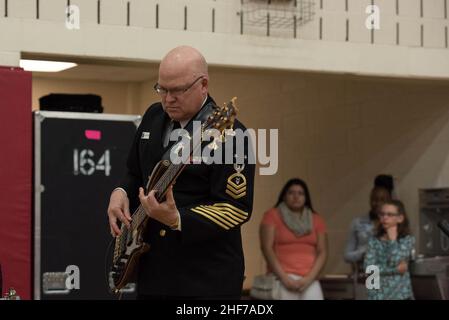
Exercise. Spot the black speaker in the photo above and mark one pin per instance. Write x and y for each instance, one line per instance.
(79, 160)
(71, 103)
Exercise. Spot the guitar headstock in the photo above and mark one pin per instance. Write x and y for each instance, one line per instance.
(223, 117)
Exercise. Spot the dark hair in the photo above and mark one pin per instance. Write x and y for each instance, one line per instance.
(403, 227)
(296, 181)
(373, 213)
(384, 181)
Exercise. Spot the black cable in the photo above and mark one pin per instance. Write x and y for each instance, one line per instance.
(106, 266)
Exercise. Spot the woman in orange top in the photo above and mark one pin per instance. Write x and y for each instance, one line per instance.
(293, 240)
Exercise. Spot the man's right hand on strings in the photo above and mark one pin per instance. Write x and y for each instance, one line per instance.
(118, 210)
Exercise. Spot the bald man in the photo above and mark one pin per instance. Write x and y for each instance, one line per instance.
(194, 235)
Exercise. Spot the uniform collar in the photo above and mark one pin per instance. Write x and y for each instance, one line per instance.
(185, 122)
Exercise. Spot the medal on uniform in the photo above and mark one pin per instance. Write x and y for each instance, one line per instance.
(236, 185)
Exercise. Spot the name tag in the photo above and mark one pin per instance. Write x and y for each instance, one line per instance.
(145, 135)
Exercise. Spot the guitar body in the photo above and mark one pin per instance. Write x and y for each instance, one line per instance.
(129, 246)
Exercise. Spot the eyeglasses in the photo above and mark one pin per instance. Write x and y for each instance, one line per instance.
(175, 92)
(388, 214)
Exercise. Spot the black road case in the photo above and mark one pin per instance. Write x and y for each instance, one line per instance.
(78, 160)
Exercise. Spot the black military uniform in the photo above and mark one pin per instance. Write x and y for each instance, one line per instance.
(205, 258)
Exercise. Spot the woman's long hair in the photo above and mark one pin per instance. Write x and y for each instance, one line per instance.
(296, 181)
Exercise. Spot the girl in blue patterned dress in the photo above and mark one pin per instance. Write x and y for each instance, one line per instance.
(390, 250)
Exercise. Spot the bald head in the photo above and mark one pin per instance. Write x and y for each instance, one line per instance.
(183, 76)
(183, 61)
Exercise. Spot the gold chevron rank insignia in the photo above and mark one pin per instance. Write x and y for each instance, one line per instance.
(236, 186)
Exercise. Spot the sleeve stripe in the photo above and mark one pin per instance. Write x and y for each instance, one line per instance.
(234, 219)
(232, 215)
(231, 212)
(210, 218)
(220, 215)
(217, 217)
(231, 207)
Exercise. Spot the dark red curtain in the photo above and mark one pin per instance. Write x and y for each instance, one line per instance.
(16, 180)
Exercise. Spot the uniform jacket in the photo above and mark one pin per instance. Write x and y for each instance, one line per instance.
(205, 258)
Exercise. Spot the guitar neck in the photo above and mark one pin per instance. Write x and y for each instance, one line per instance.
(161, 187)
(166, 180)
